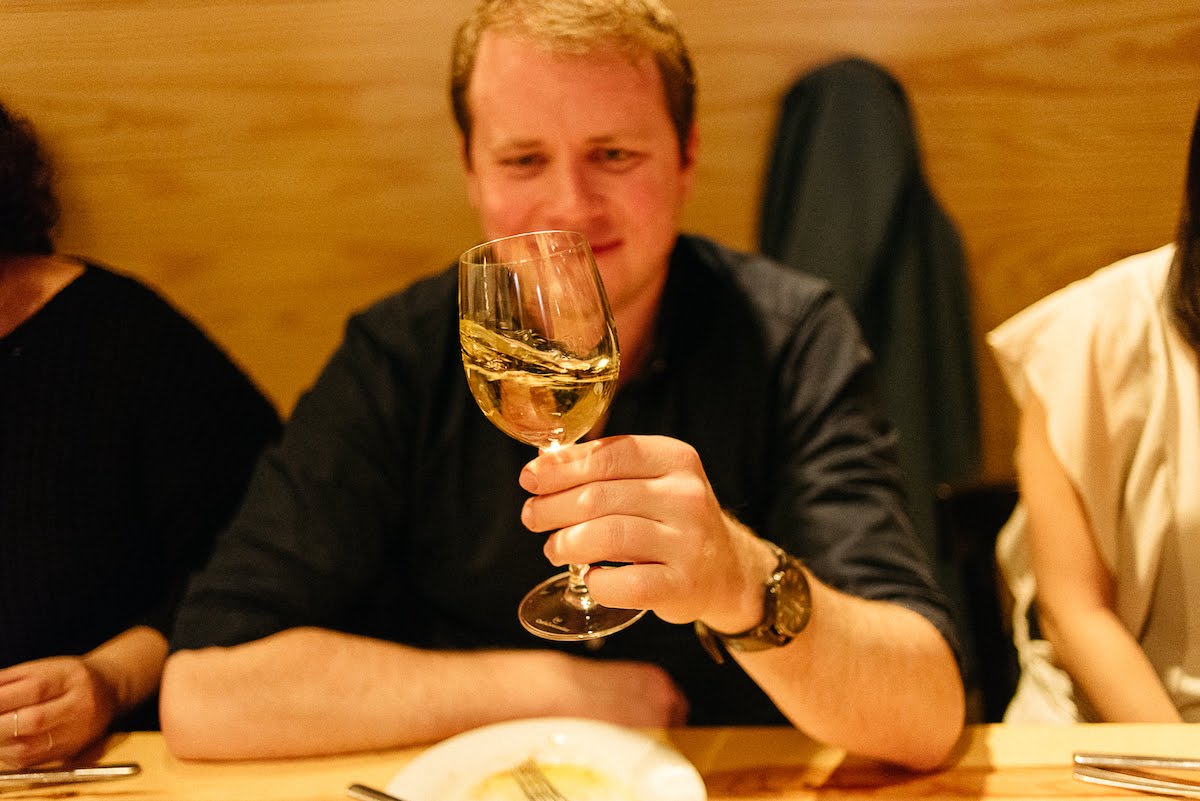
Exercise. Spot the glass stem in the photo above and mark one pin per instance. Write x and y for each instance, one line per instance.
(576, 594)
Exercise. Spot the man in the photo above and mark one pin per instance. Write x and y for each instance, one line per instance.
(365, 597)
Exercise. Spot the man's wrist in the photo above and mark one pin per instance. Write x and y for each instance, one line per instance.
(787, 608)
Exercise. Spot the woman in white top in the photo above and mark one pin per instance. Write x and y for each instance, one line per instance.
(1102, 554)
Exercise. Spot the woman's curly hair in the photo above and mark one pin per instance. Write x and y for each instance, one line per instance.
(28, 207)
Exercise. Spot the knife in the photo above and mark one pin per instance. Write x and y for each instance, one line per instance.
(68, 775)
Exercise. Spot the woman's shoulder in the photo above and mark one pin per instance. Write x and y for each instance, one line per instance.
(1113, 307)
(128, 315)
(1138, 280)
(114, 293)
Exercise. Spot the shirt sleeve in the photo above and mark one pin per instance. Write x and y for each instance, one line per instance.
(308, 539)
(842, 508)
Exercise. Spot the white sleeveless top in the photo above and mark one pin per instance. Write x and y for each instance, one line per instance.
(1122, 398)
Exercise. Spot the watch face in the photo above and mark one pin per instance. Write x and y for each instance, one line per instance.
(792, 613)
(787, 607)
(793, 604)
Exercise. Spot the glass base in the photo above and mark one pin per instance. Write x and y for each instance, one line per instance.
(547, 612)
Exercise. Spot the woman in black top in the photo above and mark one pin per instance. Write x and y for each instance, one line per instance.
(126, 439)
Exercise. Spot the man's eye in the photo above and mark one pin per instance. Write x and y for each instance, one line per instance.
(615, 154)
(523, 161)
(616, 159)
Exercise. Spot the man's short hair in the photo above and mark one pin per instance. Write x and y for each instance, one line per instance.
(636, 27)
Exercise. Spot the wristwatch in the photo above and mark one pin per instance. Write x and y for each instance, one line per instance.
(787, 607)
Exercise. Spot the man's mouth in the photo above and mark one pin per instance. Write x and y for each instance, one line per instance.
(606, 246)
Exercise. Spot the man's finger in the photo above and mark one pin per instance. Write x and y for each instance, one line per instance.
(606, 459)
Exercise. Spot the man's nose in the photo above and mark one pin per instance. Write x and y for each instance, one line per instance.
(575, 196)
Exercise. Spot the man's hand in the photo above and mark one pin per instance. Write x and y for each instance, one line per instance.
(646, 501)
(635, 694)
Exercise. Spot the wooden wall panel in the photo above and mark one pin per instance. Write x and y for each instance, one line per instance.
(272, 165)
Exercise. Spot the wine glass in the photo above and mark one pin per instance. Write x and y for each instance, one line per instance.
(540, 351)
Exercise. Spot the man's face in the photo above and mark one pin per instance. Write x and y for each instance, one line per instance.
(579, 142)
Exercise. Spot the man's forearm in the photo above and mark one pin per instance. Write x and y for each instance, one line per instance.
(311, 691)
(871, 677)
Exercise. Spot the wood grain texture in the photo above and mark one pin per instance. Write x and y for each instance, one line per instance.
(272, 165)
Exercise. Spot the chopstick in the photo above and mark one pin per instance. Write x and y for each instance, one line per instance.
(1131, 780)
(1135, 761)
(365, 793)
(1124, 771)
(69, 775)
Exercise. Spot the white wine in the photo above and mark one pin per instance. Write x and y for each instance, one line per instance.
(539, 348)
(531, 390)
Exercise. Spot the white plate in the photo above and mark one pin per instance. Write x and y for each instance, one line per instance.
(591, 759)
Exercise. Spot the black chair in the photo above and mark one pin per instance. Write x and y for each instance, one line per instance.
(969, 516)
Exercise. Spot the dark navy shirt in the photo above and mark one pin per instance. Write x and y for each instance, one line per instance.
(391, 507)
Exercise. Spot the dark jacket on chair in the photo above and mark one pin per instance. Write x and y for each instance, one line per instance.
(845, 199)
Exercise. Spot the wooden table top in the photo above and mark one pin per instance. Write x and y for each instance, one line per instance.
(991, 762)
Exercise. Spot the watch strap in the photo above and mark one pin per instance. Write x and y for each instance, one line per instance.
(788, 578)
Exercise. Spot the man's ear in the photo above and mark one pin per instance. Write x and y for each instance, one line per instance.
(691, 147)
(687, 158)
(464, 154)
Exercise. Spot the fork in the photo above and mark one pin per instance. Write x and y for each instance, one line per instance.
(534, 783)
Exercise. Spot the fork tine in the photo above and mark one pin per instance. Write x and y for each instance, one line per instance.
(534, 783)
(530, 790)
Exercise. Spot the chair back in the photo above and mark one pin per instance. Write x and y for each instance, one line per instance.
(970, 517)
